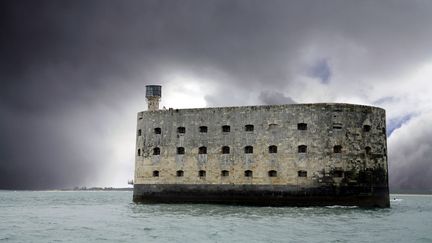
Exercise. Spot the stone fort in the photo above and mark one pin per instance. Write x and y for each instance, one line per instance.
(272, 155)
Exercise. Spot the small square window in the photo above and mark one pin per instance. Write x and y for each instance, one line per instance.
(226, 128)
(248, 150)
(272, 173)
(225, 150)
(366, 128)
(203, 129)
(249, 128)
(156, 151)
(224, 173)
(302, 149)
(181, 129)
(272, 149)
(180, 150)
(248, 173)
(202, 150)
(179, 173)
(155, 173)
(202, 173)
(337, 149)
(302, 173)
(157, 130)
(302, 126)
(139, 132)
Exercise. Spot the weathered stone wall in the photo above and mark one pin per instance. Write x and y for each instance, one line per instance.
(359, 130)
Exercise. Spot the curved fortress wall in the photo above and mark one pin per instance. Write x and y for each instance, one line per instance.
(301, 154)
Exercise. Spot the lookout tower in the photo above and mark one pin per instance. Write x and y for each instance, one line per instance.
(153, 95)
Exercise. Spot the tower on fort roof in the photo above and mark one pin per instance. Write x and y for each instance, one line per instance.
(153, 95)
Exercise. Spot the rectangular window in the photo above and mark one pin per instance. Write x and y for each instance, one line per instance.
(180, 150)
(203, 129)
(302, 173)
(249, 128)
(181, 129)
(302, 126)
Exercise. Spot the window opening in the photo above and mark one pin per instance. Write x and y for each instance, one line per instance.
(226, 128)
(273, 149)
(248, 150)
(180, 150)
(302, 126)
(181, 129)
(203, 129)
(272, 173)
(202, 150)
(202, 173)
(302, 149)
(302, 173)
(249, 128)
(225, 150)
(337, 149)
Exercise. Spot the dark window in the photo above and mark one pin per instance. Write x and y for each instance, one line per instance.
(368, 150)
(302, 149)
(155, 173)
(180, 150)
(337, 126)
(248, 173)
(139, 132)
(272, 173)
(338, 173)
(203, 129)
(202, 150)
(302, 126)
(248, 150)
(181, 129)
(225, 150)
(224, 173)
(337, 149)
(180, 173)
(302, 173)
(249, 128)
(139, 152)
(226, 128)
(202, 173)
(157, 130)
(156, 151)
(366, 128)
(273, 149)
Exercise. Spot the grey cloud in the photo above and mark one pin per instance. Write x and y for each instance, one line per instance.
(275, 98)
(410, 155)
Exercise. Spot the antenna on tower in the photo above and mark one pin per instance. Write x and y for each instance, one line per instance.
(153, 95)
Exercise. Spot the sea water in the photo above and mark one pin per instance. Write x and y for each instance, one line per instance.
(110, 216)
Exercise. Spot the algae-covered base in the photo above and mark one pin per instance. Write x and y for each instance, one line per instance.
(262, 195)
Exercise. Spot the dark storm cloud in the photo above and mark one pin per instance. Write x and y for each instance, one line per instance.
(70, 70)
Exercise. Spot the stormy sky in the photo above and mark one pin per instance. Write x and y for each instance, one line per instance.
(73, 75)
